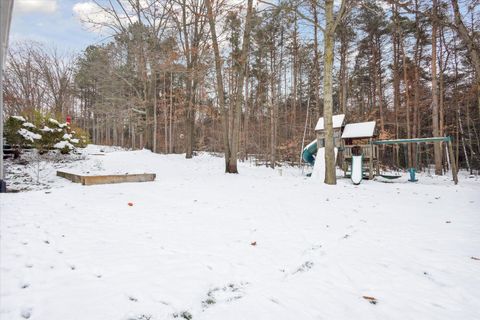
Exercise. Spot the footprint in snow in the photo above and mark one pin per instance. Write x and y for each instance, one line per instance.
(307, 265)
(26, 313)
(24, 285)
(228, 293)
(131, 316)
(182, 315)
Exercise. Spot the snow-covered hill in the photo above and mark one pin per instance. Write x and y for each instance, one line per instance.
(200, 244)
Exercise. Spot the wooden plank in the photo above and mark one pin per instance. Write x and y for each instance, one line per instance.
(453, 164)
(106, 179)
(144, 177)
(70, 176)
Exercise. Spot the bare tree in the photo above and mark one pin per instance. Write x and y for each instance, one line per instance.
(231, 133)
(472, 42)
(435, 112)
(331, 23)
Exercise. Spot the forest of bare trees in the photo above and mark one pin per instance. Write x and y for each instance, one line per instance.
(249, 78)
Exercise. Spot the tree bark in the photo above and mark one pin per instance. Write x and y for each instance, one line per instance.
(316, 62)
(437, 147)
(472, 46)
(396, 78)
(330, 175)
(407, 104)
(230, 133)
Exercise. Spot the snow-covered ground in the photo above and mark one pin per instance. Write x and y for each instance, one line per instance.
(264, 244)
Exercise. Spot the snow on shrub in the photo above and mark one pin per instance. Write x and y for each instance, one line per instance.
(29, 135)
(28, 125)
(11, 130)
(60, 125)
(47, 129)
(19, 118)
(64, 146)
(52, 135)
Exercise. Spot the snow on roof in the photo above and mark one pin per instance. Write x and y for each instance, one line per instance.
(337, 122)
(359, 130)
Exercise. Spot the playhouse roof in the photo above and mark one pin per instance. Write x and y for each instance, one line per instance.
(359, 130)
(337, 122)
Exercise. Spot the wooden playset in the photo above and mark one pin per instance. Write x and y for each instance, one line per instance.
(357, 148)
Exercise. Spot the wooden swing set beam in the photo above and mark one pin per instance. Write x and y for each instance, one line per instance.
(414, 140)
(448, 140)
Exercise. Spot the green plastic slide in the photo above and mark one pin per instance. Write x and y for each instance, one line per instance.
(309, 152)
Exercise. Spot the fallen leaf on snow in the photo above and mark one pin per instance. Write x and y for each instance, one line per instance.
(372, 300)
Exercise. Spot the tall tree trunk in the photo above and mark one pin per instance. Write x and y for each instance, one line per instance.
(316, 60)
(472, 46)
(191, 56)
(246, 115)
(437, 147)
(396, 77)
(330, 175)
(343, 71)
(273, 105)
(230, 141)
(165, 113)
(378, 80)
(242, 65)
(416, 99)
(155, 117)
(407, 104)
(441, 85)
(295, 75)
(170, 126)
(219, 84)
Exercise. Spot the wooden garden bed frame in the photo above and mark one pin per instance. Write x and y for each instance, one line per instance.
(106, 179)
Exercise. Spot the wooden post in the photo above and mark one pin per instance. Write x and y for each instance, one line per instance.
(370, 164)
(453, 163)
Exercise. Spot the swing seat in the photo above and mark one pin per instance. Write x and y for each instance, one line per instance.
(390, 176)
